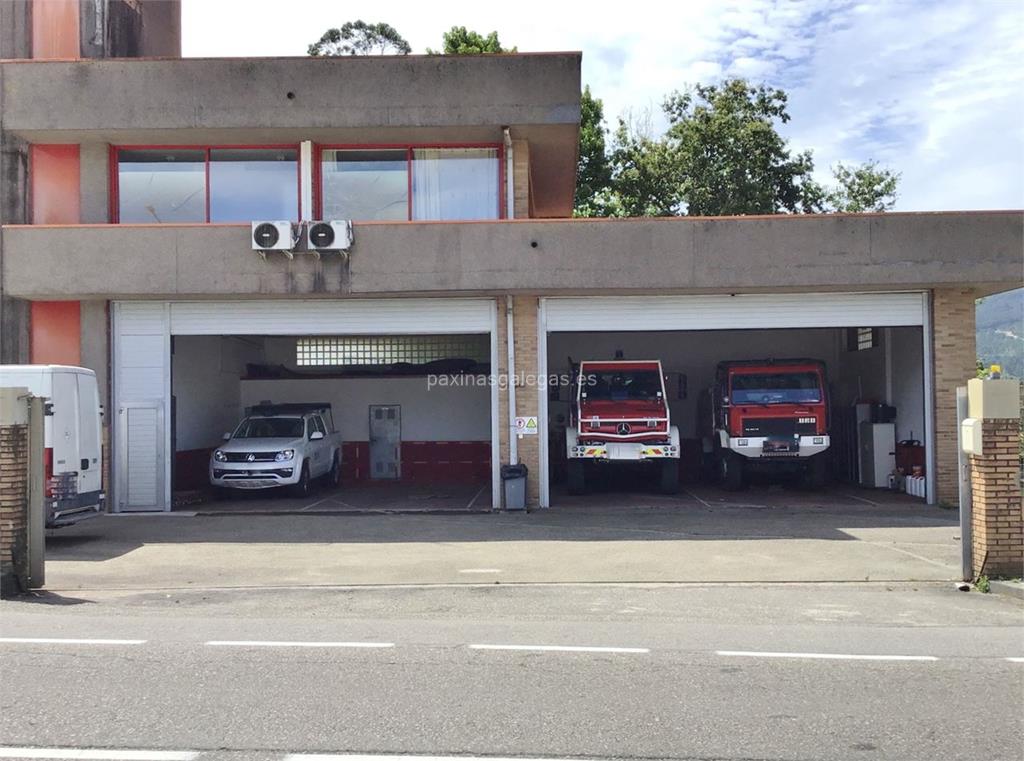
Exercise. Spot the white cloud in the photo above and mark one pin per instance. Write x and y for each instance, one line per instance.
(934, 89)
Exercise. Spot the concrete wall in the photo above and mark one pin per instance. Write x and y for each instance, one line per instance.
(786, 252)
(205, 381)
(435, 414)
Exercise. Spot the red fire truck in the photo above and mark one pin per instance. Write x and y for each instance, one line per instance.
(620, 414)
(767, 415)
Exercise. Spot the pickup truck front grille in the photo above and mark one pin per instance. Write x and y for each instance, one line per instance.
(256, 456)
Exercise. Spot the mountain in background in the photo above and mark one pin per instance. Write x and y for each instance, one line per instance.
(999, 331)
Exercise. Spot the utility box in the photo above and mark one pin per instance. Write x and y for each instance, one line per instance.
(994, 399)
(970, 436)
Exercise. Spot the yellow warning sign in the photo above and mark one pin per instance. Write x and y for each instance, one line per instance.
(526, 425)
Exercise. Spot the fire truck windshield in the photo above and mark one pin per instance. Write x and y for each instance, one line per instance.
(618, 386)
(776, 388)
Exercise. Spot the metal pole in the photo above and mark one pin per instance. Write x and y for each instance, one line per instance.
(964, 474)
(36, 523)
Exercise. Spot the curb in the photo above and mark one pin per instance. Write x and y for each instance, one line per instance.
(1006, 588)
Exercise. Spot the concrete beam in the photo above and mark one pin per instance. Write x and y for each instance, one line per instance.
(827, 252)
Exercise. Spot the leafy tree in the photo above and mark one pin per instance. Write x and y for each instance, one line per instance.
(862, 188)
(593, 170)
(731, 158)
(461, 41)
(645, 173)
(360, 38)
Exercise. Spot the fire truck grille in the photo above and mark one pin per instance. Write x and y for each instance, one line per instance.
(777, 427)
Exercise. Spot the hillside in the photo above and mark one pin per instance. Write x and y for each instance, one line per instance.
(1000, 331)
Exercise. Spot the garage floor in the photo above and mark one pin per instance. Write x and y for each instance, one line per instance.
(362, 498)
(696, 538)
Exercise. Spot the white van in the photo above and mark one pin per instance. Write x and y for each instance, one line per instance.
(74, 452)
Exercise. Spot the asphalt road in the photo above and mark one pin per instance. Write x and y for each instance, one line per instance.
(541, 671)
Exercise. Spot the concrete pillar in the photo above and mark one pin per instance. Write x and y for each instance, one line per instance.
(997, 515)
(13, 491)
(955, 359)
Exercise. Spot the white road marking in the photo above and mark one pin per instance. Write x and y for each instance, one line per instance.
(691, 494)
(825, 656)
(860, 499)
(479, 570)
(562, 648)
(70, 641)
(1015, 660)
(282, 643)
(475, 496)
(374, 757)
(99, 754)
(310, 507)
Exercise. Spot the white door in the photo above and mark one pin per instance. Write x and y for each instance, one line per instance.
(90, 474)
(385, 441)
(141, 444)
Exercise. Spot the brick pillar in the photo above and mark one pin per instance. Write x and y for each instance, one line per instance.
(13, 507)
(997, 515)
(527, 388)
(955, 359)
(521, 179)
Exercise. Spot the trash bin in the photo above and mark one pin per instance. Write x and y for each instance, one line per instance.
(514, 479)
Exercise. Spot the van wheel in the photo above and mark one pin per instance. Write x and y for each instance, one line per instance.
(816, 474)
(576, 477)
(304, 486)
(669, 477)
(730, 471)
(334, 474)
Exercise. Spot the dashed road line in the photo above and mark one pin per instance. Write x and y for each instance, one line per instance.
(562, 648)
(479, 570)
(69, 641)
(824, 656)
(1015, 660)
(98, 754)
(288, 643)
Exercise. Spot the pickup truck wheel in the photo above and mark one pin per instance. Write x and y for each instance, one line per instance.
(730, 470)
(669, 476)
(576, 476)
(304, 486)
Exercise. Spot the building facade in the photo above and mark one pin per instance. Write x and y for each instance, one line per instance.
(126, 247)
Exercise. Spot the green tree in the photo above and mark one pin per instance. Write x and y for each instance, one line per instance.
(862, 188)
(593, 168)
(731, 157)
(461, 41)
(360, 38)
(645, 173)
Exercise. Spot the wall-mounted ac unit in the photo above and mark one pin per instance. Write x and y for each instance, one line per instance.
(273, 235)
(330, 235)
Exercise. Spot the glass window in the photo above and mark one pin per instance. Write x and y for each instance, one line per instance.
(365, 185)
(621, 385)
(455, 183)
(161, 185)
(269, 428)
(253, 183)
(776, 388)
(325, 351)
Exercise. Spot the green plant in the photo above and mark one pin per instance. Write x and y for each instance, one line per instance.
(982, 585)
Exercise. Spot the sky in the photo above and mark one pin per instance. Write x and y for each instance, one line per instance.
(933, 89)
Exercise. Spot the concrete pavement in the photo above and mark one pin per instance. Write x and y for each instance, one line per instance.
(695, 537)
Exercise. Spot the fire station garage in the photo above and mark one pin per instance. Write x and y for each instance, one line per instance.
(405, 380)
(871, 348)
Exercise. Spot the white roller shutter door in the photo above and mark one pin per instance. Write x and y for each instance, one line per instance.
(740, 312)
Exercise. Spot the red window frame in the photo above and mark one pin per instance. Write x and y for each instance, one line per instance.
(114, 208)
(318, 187)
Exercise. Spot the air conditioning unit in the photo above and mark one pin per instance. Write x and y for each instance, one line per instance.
(330, 235)
(273, 235)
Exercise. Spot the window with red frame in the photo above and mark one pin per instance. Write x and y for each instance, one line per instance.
(411, 183)
(206, 184)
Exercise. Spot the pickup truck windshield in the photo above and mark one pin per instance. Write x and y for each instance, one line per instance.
(775, 388)
(618, 386)
(270, 428)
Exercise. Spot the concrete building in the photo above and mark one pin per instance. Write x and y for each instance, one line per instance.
(126, 248)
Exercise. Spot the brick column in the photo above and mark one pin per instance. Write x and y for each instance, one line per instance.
(997, 517)
(527, 389)
(955, 359)
(13, 507)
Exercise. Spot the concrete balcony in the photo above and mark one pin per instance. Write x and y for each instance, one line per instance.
(828, 252)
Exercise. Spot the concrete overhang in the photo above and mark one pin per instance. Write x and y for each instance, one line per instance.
(980, 250)
(343, 100)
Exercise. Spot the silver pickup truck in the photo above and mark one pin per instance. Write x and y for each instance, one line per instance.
(279, 445)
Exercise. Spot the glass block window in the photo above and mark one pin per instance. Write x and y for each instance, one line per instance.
(321, 351)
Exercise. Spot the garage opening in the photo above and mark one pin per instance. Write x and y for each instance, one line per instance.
(873, 393)
(412, 410)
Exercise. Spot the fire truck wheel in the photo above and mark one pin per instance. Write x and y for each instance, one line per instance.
(576, 477)
(816, 475)
(730, 469)
(669, 476)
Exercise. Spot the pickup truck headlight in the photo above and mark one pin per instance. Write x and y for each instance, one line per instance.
(284, 455)
(219, 456)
